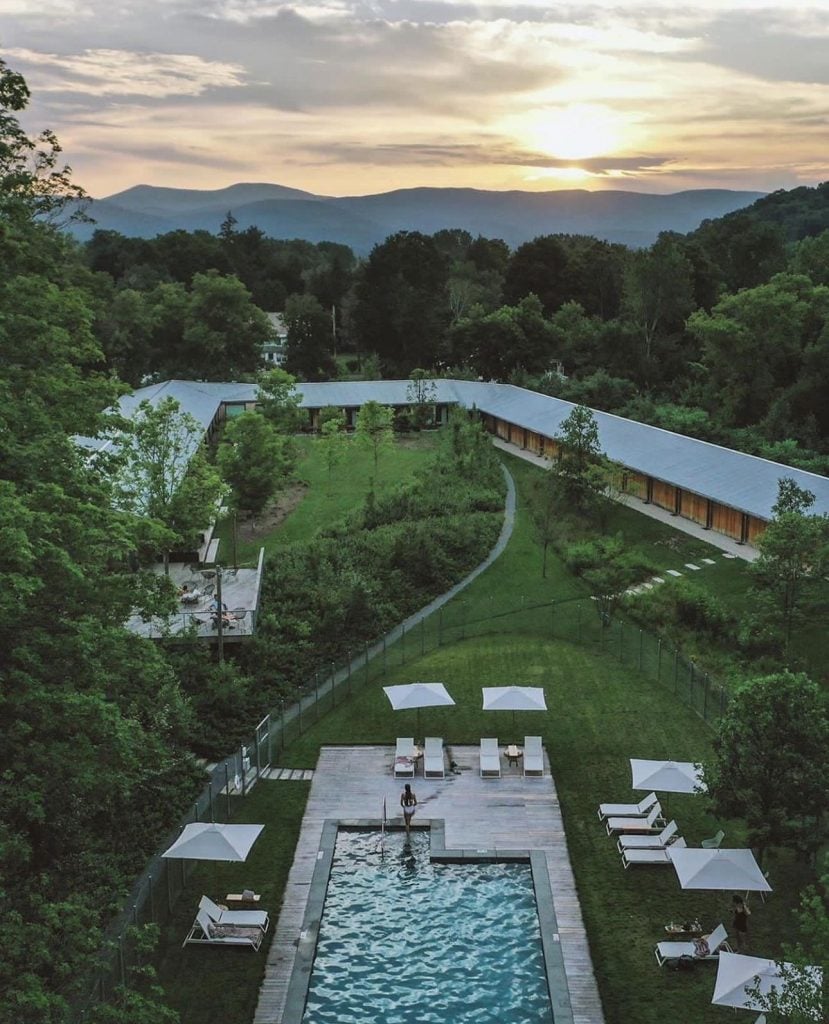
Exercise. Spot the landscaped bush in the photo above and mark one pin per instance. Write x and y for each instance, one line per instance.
(681, 607)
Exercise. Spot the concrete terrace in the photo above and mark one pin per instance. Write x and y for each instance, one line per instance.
(240, 593)
(507, 813)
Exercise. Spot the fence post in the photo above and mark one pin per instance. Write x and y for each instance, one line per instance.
(691, 685)
(422, 639)
(210, 800)
(366, 655)
(299, 713)
(659, 660)
(348, 654)
(317, 693)
(676, 668)
(403, 645)
(578, 622)
(552, 620)
(244, 773)
(152, 896)
(281, 726)
(227, 789)
(705, 698)
(121, 963)
(621, 641)
(641, 641)
(333, 675)
(270, 742)
(440, 626)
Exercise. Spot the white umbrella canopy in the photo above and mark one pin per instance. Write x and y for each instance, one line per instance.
(214, 841)
(667, 776)
(740, 977)
(514, 698)
(418, 695)
(718, 869)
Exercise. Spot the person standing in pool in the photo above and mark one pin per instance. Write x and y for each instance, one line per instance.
(408, 801)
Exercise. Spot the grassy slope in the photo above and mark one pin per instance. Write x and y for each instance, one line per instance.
(326, 500)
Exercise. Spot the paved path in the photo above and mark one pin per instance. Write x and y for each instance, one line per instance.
(511, 813)
(717, 540)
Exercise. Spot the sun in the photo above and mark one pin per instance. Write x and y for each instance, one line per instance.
(575, 132)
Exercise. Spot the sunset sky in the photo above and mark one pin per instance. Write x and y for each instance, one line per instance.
(346, 97)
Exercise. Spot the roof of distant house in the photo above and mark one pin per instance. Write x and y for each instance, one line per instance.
(732, 478)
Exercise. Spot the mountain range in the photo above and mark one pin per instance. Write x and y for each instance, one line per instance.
(632, 218)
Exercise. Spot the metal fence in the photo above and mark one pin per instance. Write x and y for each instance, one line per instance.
(573, 621)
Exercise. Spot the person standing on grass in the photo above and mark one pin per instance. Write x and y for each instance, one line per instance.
(408, 801)
(740, 921)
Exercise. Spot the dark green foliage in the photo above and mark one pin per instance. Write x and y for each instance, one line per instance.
(681, 605)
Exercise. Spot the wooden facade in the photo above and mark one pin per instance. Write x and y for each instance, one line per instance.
(710, 515)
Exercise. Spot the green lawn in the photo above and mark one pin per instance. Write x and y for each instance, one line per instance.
(600, 715)
(327, 500)
(205, 985)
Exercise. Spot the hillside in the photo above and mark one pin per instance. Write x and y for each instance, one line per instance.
(632, 218)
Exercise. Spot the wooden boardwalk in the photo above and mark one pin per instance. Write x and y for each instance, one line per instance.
(507, 813)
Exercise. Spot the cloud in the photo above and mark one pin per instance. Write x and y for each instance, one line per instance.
(101, 73)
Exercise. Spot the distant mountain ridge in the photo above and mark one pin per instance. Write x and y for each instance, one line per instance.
(632, 218)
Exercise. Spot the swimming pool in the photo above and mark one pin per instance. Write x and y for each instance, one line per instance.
(406, 940)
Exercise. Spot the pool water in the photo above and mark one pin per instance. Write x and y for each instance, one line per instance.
(405, 941)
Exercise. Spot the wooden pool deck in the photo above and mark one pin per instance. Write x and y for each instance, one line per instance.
(507, 813)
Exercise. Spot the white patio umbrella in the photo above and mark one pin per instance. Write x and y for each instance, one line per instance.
(666, 776)
(418, 695)
(718, 869)
(514, 698)
(213, 841)
(740, 977)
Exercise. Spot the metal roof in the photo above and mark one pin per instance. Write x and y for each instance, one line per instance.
(744, 482)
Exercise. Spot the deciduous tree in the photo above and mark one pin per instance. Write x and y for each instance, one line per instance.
(252, 460)
(374, 429)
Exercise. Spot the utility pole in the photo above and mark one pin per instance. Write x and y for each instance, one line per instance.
(220, 615)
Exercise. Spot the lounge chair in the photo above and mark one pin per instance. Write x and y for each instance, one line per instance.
(246, 918)
(710, 950)
(404, 760)
(654, 822)
(490, 758)
(533, 756)
(208, 933)
(714, 842)
(627, 810)
(667, 836)
(650, 857)
(433, 767)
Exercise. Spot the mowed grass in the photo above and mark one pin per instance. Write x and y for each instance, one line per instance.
(218, 986)
(599, 716)
(326, 499)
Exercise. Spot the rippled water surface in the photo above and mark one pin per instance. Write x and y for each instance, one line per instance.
(403, 941)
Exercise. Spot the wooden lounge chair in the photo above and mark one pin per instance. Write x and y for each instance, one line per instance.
(490, 758)
(651, 858)
(713, 946)
(627, 810)
(246, 918)
(533, 757)
(208, 933)
(433, 767)
(654, 822)
(404, 759)
(667, 836)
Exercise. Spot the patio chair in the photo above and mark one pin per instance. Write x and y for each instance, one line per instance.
(709, 948)
(627, 810)
(666, 837)
(433, 758)
(650, 858)
(246, 918)
(654, 822)
(714, 842)
(404, 762)
(533, 757)
(490, 758)
(208, 933)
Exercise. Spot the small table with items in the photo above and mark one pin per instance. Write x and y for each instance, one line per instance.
(513, 753)
(242, 899)
(684, 929)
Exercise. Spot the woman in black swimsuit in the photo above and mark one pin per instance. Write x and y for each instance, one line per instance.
(740, 921)
(408, 801)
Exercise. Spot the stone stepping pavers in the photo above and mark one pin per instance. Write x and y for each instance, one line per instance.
(708, 561)
(729, 556)
(673, 572)
(690, 565)
(657, 579)
(289, 774)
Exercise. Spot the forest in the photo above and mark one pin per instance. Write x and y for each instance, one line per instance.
(719, 334)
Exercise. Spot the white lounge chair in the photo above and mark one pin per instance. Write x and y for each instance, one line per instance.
(714, 943)
(433, 767)
(208, 933)
(627, 810)
(650, 857)
(654, 822)
(246, 918)
(666, 836)
(490, 758)
(404, 759)
(533, 756)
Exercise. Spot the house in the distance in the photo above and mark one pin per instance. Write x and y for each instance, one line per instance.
(275, 349)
